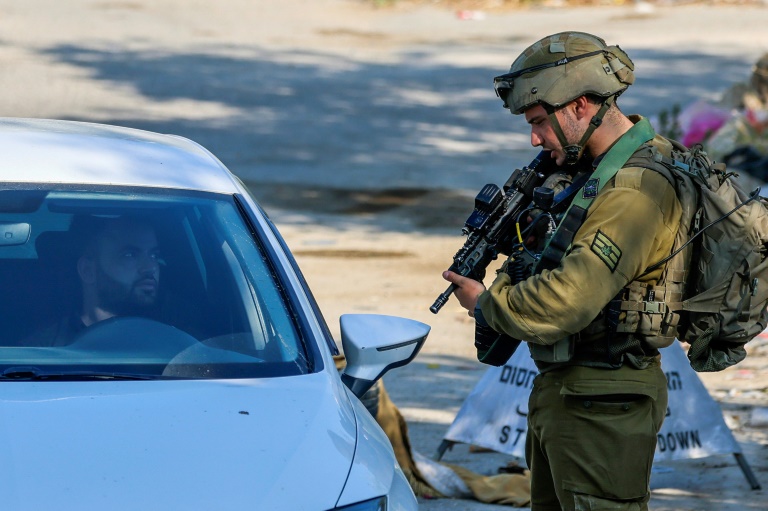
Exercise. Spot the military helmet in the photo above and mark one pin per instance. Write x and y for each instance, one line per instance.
(560, 68)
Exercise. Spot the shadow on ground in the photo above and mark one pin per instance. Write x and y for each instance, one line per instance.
(316, 132)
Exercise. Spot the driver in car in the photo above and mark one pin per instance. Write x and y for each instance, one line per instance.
(119, 272)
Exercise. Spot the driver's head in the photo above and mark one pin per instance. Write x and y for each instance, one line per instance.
(119, 267)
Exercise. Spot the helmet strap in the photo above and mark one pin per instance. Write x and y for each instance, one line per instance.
(573, 152)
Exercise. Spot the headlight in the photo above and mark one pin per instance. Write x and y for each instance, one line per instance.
(379, 504)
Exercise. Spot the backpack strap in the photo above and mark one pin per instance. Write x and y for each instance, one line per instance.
(611, 163)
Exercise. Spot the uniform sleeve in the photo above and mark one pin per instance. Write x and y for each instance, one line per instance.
(629, 226)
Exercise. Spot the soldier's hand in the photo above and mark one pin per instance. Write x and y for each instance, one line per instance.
(467, 290)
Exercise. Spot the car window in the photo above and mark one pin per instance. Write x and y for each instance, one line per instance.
(140, 283)
(302, 281)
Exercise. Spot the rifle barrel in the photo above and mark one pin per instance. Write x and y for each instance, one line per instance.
(442, 299)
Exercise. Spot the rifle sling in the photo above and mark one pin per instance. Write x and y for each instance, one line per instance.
(610, 164)
(562, 239)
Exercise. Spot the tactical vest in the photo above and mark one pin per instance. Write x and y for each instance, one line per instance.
(633, 326)
(639, 321)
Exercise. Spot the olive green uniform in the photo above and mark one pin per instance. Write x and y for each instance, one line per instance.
(593, 420)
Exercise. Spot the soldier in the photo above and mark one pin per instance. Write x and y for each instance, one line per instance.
(592, 315)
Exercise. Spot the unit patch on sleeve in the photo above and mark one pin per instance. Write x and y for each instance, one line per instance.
(606, 250)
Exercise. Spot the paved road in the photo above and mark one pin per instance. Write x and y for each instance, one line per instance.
(331, 93)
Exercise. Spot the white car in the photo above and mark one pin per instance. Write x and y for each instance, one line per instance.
(160, 348)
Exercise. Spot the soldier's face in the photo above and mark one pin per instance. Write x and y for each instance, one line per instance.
(543, 134)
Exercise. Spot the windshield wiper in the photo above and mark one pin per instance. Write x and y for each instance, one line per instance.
(34, 373)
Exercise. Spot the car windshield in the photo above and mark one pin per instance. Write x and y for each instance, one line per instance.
(106, 284)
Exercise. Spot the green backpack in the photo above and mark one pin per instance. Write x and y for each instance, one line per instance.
(726, 287)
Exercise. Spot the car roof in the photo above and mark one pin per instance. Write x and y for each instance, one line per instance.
(58, 151)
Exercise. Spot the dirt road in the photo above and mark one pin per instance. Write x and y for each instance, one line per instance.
(366, 132)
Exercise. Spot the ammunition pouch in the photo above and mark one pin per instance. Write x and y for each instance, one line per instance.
(559, 352)
(650, 312)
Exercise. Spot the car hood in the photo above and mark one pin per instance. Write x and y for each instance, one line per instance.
(279, 443)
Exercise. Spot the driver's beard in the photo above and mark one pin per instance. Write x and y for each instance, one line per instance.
(120, 300)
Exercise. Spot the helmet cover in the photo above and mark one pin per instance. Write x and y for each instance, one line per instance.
(561, 67)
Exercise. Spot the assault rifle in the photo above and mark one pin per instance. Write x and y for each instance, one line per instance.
(490, 229)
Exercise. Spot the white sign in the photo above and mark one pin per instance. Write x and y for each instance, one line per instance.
(494, 415)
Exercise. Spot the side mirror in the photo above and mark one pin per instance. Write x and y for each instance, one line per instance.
(373, 344)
